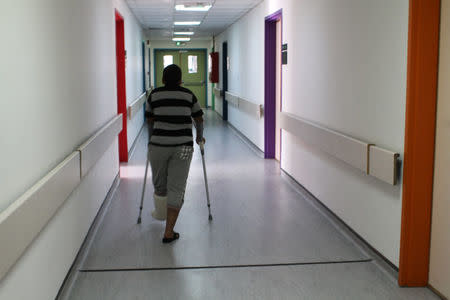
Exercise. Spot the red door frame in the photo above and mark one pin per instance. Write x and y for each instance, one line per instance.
(421, 97)
(121, 85)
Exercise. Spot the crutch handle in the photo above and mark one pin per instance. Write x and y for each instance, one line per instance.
(202, 147)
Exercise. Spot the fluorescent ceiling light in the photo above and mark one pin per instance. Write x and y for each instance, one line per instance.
(188, 23)
(193, 7)
(183, 33)
(181, 39)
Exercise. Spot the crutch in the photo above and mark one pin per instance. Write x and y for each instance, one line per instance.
(202, 150)
(143, 193)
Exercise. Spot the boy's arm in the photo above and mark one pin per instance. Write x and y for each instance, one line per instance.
(149, 116)
(197, 115)
(151, 125)
(198, 122)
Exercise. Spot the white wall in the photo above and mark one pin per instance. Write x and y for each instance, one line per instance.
(440, 234)
(40, 272)
(163, 44)
(346, 71)
(134, 36)
(246, 75)
(59, 87)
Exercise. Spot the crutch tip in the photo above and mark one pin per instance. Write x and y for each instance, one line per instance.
(139, 221)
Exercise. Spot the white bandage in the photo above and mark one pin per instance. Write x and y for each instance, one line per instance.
(160, 211)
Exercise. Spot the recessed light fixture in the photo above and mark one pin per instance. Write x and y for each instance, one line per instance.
(181, 39)
(193, 7)
(188, 23)
(183, 33)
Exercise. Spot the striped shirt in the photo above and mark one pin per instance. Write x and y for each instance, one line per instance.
(172, 108)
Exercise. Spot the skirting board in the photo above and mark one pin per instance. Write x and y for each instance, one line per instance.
(246, 140)
(381, 261)
(71, 277)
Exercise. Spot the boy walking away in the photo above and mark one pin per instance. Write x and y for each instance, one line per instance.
(170, 111)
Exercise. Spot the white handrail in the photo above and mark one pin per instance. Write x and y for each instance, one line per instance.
(95, 146)
(364, 156)
(24, 219)
(136, 106)
(245, 105)
(383, 164)
(350, 150)
(217, 92)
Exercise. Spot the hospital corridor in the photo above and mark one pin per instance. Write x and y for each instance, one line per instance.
(225, 149)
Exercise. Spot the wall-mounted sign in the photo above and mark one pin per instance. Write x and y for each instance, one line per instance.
(284, 54)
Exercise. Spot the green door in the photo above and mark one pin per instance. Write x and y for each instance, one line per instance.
(164, 58)
(192, 64)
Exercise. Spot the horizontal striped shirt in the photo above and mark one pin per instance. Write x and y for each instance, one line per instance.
(172, 109)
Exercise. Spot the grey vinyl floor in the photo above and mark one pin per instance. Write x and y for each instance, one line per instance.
(266, 240)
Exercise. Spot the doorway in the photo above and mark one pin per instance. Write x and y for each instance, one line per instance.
(144, 84)
(440, 241)
(121, 85)
(193, 66)
(225, 67)
(420, 129)
(149, 69)
(272, 86)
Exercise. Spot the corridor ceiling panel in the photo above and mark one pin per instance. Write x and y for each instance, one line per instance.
(158, 16)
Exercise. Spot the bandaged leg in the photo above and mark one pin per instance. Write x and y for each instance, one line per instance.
(160, 211)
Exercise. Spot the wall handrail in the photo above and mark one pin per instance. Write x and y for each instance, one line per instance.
(347, 149)
(365, 156)
(96, 145)
(383, 164)
(136, 106)
(218, 92)
(232, 99)
(23, 220)
(245, 105)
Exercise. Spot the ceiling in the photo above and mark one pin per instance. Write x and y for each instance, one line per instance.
(157, 16)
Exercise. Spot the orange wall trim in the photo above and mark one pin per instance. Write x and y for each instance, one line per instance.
(421, 95)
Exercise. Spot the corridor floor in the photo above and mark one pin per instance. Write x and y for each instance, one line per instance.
(266, 241)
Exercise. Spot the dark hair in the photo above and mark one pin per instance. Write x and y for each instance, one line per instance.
(171, 75)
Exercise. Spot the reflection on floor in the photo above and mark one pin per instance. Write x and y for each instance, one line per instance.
(266, 240)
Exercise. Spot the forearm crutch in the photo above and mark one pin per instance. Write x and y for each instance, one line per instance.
(202, 150)
(143, 192)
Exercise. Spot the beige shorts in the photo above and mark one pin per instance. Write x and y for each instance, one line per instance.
(170, 170)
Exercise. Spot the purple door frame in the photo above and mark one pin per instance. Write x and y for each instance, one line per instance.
(270, 65)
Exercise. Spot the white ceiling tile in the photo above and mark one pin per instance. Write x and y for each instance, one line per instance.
(159, 15)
